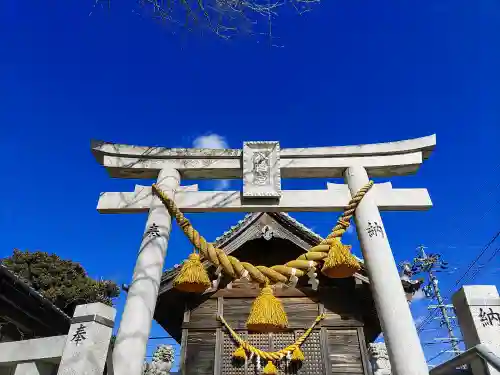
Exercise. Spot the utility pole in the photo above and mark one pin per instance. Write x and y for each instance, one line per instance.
(432, 264)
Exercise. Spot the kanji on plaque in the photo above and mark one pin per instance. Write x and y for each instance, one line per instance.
(489, 318)
(375, 229)
(79, 335)
(153, 231)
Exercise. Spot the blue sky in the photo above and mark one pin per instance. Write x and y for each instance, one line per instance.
(350, 72)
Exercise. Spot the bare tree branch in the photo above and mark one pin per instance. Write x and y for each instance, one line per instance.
(224, 18)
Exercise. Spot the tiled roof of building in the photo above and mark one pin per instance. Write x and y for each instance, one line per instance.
(22, 283)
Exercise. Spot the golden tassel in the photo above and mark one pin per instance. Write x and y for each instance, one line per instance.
(267, 313)
(240, 354)
(270, 369)
(340, 263)
(298, 355)
(192, 277)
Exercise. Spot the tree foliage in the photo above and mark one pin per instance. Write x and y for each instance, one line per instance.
(65, 283)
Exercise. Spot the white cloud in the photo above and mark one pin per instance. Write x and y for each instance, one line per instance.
(213, 141)
(419, 294)
(210, 141)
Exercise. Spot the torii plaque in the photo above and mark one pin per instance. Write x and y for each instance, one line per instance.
(261, 166)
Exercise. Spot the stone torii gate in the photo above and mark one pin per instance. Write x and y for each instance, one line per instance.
(261, 165)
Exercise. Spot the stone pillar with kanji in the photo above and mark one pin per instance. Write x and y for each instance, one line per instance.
(88, 340)
(478, 312)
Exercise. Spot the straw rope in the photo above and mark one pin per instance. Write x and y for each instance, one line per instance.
(271, 356)
(262, 274)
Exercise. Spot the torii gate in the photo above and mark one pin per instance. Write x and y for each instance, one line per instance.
(261, 165)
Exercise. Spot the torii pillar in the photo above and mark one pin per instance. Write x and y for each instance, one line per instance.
(403, 345)
(261, 165)
(130, 346)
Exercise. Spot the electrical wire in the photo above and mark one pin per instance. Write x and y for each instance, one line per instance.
(481, 253)
(485, 265)
(437, 342)
(437, 355)
(432, 314)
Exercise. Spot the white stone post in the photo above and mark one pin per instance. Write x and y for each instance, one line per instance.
(135, 325)
(404, 348)
(88, 339)
(478, 311)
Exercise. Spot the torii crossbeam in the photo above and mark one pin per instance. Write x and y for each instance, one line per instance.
(261, 165)
(334, 198)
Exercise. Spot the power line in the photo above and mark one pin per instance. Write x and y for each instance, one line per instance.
(477, 258)
(486, 264)
(431, 315)
(437, 355)
(430, 264)
(490, 206)
(436, 343)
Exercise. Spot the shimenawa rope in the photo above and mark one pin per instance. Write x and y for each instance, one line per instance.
(271, 356)
(262, 274)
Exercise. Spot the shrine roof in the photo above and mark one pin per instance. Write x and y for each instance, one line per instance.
(249, 218)
(259, 238)
(255, 235)
(29, 307)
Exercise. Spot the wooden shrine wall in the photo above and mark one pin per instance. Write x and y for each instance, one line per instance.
(336, 346)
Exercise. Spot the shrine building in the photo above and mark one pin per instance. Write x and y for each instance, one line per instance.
(337, 344)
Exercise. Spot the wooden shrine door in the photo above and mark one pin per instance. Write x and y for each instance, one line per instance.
(336, 345)
(326, 351)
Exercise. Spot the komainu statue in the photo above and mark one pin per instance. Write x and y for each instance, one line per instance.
(379, 359)
(163, 359)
